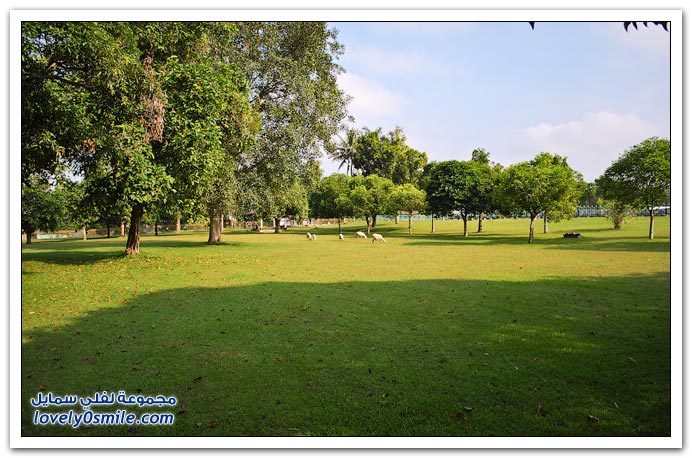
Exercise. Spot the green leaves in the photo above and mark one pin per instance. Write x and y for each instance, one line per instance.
(43, 209)
(464, 186)
(641, 176)
(545, 184)
(407, 198)
(388, 156)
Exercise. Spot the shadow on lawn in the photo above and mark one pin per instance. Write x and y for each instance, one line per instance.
(586, 242)
(410, 358)
(73, 252)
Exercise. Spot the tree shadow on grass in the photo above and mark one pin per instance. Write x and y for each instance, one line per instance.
(72, 257)
(410, 358)
(632, 244)
(586, 242)
(78, 252)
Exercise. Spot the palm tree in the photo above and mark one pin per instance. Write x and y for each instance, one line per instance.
(346, 149)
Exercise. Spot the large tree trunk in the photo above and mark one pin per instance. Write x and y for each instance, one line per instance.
(545, 222)
(533, 220)
(84, 231)
(214, 229)
(29, 236)
(651, 223)
(122, 228)
(177, 223)
(339, 221)
(156, 226)
(108, 230)
(480, 222)
(367, 222)
(374, 221)
(277, 226)
(432, 225)
(410, 224)
(465, 217)
(132, 246)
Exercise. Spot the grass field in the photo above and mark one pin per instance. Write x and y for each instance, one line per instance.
(430, 335)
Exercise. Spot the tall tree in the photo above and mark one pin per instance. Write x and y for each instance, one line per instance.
(210, 124)
(140, 86)
(346, 149)
(544, 184)
(486, 176)
(640, 177)
(291, 72)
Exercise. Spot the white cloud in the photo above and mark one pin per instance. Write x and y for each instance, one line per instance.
(591, 143)
(371, 101)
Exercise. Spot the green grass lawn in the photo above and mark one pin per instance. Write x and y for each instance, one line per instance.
(430, 335)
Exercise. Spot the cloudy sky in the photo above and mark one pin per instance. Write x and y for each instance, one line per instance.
(585, 90)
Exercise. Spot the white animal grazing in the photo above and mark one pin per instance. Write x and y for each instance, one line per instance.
(308, 235)
(378, 238)
(314, 237)
(341, 236)
(361, 235)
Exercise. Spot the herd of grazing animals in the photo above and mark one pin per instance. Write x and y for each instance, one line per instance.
(359, 234)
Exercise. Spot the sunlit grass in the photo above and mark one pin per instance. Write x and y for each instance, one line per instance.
(435, 334)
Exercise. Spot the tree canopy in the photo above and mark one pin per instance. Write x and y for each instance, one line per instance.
(179, 114)
(388, 156)
(409, 199)
(462, 186)
(640, 177)
(330, 198)
(544, 184)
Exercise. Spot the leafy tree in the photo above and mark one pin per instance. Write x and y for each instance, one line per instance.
(43, 209)
(486, 176)
(388, 156)
(462, 186)
(424, 183)
(283, 198)
(545, 184)
(370, 197)
(291, 72)
(409, 199)
(164, 112)
(331, 198)
(480, 155)
(563, 207)
(640, 177)
(58, 120)
(210, 123)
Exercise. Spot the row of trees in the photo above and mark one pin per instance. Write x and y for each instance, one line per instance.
(544, 186)
(203, 119)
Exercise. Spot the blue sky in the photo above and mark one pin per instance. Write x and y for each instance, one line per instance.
(585, 90)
